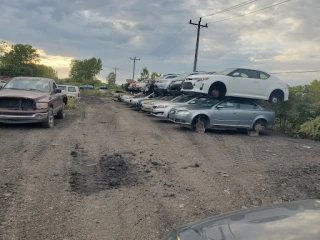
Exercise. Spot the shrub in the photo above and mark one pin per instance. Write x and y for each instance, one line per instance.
(74, 104)
(311, 129)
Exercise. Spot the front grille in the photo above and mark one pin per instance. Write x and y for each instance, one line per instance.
(187, 85)
(17, 103)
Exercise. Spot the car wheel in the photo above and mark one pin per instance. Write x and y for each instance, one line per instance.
(200, 124)
(217, 91)
(49, 123)
(62, 114)
(259, 125)
(276, 96)
(274, 99)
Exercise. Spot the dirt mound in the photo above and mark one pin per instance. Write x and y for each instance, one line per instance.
(111, 172)
(297, 183)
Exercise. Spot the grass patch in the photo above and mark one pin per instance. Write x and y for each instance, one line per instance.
(75, 104)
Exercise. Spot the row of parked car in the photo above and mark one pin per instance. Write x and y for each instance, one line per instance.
(231, 82)
(203, 100)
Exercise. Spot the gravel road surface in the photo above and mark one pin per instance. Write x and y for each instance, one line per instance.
(109, 172)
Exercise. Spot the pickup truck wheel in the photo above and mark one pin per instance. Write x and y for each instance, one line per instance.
(200, 124)
(61, 114)
(49, 123)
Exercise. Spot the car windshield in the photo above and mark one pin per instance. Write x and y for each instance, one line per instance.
(183, 99)
(29, 84)
(226, 71)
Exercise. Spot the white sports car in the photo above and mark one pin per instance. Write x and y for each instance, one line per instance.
(239, 82)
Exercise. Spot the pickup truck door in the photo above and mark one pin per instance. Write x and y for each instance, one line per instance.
(244, 82)
(56, 98)
(226, 113)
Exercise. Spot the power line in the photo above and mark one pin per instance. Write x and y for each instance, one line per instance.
(226, 19)
(168, 40)
(297, 72)
(231, 8)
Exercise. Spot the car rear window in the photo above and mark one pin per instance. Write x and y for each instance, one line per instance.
(263, 75)
(72, 89)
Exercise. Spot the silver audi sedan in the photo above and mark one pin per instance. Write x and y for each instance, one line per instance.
(234, 112)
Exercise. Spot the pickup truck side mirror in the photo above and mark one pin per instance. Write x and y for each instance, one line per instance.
(236, 74)
(219, 107)
(57, 90)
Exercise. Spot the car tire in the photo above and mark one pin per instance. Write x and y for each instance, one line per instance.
(49, 123)
(200, 124)
(217, 87)
(276, 96)
(259, 126)
(62, 114)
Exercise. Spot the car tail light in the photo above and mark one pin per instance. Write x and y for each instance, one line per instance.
(78, 94)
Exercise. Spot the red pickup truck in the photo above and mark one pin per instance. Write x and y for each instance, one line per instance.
(31, 100)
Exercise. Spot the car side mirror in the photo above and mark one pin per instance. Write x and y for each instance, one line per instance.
(219, 107)
(57, 90)
(236, 74)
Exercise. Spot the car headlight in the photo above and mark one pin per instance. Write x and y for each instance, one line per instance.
(162, 106)
(41, 105)
(183, 112)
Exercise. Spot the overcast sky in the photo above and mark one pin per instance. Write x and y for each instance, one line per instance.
(283, 38)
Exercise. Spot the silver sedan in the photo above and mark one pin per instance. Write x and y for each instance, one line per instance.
(235, 113)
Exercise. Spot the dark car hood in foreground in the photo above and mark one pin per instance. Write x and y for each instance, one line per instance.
(289, 221)
(35, 95)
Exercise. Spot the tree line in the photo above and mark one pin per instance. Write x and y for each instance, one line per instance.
(24, 60)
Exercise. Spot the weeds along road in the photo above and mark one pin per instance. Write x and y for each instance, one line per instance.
(109, 172)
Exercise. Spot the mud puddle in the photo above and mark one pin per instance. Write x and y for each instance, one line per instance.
(110, 172)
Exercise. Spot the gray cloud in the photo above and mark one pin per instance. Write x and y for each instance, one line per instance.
(116, 30)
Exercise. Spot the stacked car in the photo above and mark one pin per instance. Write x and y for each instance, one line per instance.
(204, 100)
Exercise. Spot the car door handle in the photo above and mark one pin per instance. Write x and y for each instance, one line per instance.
(234, 113)
(256, 82)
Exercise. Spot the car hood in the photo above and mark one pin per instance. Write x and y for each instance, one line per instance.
(34, 95)
(295, 220)
(211, 76)
(192, 107)
(154, 102)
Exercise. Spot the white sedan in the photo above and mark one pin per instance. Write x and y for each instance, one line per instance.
(239, 82)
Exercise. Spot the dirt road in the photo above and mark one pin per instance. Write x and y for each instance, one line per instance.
(108, 172)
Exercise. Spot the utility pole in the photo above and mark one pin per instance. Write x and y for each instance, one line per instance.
(134, 65)
(115, 74)
(197, 45)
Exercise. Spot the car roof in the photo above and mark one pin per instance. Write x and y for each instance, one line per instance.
(69, 85)
(33, 78)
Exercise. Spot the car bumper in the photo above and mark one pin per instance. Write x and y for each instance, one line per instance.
(161, 113)
(35, 118)
(195, 86)
(180, 119)
(146, 109)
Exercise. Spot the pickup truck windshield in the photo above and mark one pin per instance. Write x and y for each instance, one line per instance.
(29, 84)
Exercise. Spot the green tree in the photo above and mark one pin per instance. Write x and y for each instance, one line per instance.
(155, 75)
(20, 54)
(111, 79)
(144, 74)
(85, 71)
(44, 71)
(22, 60)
